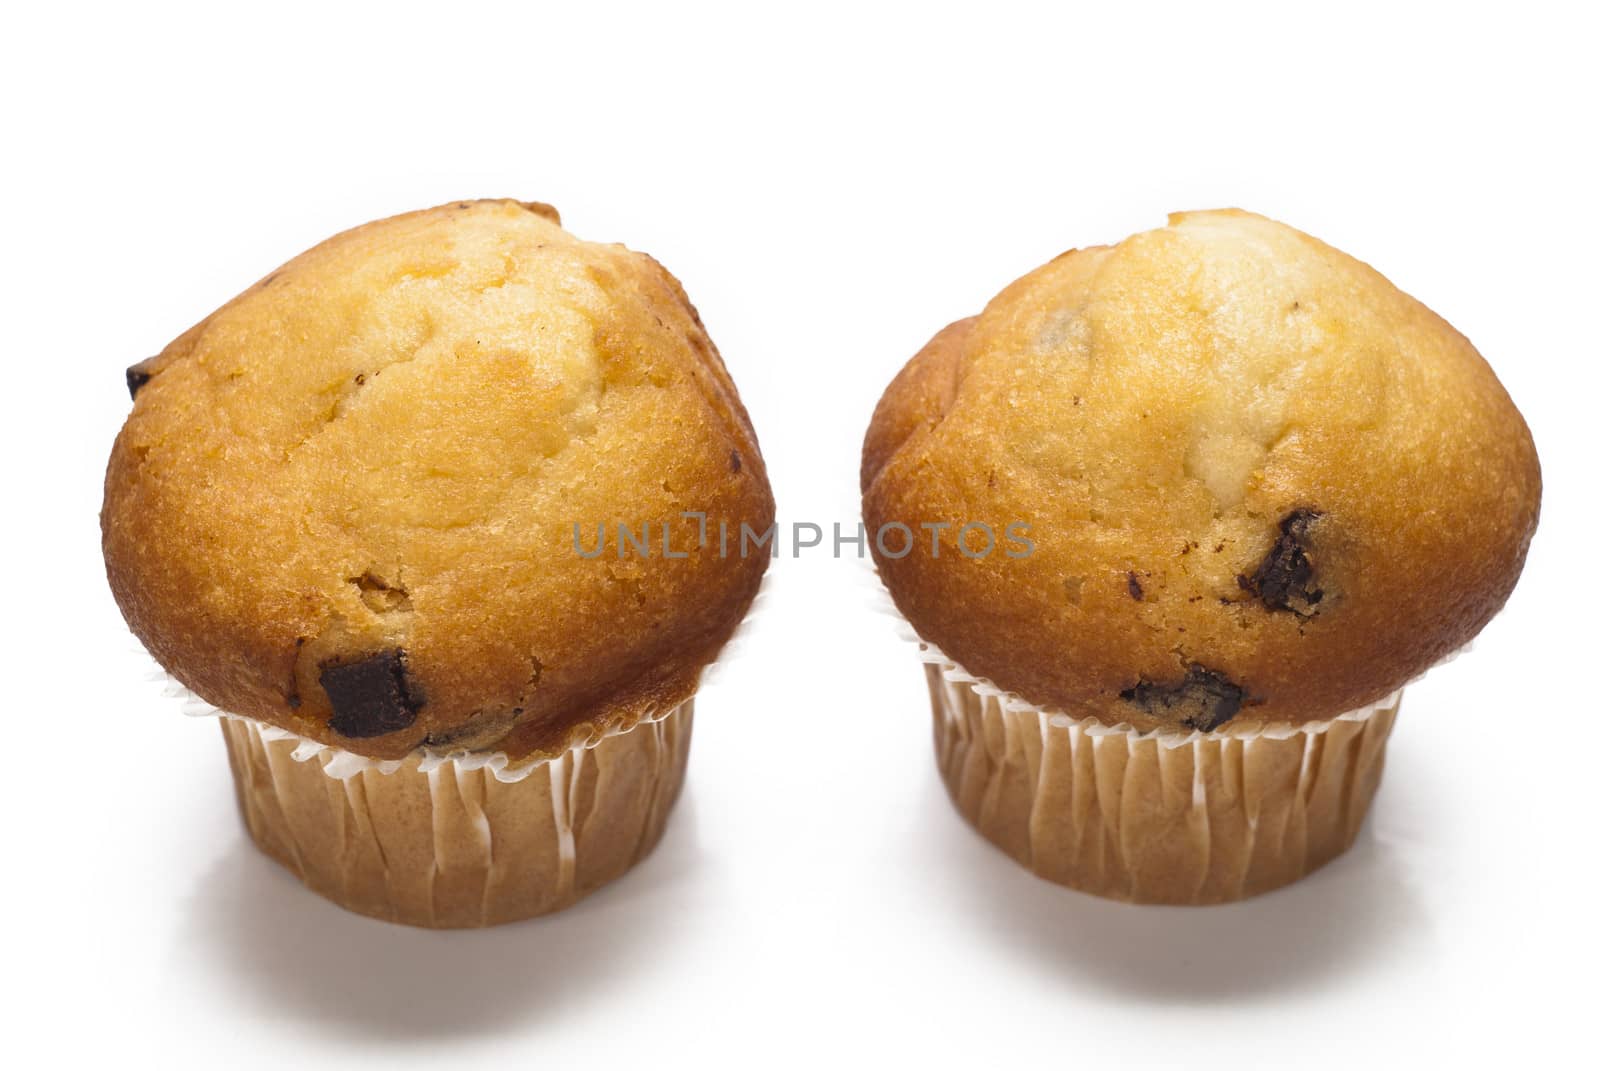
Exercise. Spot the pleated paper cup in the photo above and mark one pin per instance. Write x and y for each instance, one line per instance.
(1155, 818)
(463, 840)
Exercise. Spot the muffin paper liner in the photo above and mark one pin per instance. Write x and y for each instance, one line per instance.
(447, 843)
(1156, 818)
(1161, 817)
(459, 838)
(454, 839)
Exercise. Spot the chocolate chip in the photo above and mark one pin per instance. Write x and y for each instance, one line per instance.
(140, 374)
(370, 696)
(1285, 578)
(735, 462)
(1204, 699)
(1134, 587)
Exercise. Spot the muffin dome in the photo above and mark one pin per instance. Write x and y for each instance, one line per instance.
(1260, 483)
(344, 503)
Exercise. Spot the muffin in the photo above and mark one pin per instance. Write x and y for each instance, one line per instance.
(1224, 490)
(424, 512)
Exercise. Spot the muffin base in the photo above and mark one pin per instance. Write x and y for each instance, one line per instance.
(1203, 819)
(451, 844)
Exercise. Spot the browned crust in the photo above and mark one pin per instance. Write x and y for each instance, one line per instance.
(1425, 514)
(238, 568)
(916, 399)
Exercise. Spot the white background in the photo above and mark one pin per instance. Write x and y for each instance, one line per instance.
(832, 185)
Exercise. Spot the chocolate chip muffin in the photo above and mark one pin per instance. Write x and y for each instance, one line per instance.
(1255, 489)
(371, 507)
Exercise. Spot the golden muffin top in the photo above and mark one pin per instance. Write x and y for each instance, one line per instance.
(1260, 483)
(345, 502)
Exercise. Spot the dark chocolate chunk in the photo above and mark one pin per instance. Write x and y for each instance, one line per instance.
(1134, 587)
(139, 374)
(1204, 699)
(735, 462)
(1285, 579)
(370, 696)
